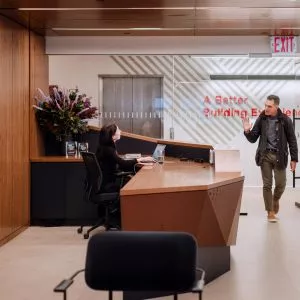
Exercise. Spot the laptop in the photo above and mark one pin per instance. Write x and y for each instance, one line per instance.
(158, 149)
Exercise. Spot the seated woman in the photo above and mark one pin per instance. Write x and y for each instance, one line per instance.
(109, 159)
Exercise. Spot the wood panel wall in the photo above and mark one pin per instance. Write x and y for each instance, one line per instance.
(39, 78)
(15, 108)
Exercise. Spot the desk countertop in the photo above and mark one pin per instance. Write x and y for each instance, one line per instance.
(176, 176)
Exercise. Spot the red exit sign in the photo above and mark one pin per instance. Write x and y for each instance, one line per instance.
(283, 45)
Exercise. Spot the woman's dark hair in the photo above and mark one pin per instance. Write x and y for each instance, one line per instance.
(106, 134)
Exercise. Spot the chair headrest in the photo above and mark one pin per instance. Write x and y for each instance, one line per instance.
(136, 261)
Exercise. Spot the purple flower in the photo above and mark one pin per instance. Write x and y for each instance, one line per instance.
(64, 112)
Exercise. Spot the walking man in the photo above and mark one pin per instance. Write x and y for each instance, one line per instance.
(276, 133)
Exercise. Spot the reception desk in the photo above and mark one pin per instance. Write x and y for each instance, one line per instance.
(189, 197)
(184, 196)
(179, 195)
(57, 189)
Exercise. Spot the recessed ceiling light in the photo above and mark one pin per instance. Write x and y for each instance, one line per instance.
(113, 8)
(144, 28)
(121, 8)
(57, 8)
(115, 29)
(289, 28)
(219, 56)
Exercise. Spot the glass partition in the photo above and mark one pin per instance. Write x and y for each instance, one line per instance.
(211, 95)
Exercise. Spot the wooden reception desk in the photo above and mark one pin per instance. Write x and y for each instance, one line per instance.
(184, 196)
(176, 196)
(189, 197)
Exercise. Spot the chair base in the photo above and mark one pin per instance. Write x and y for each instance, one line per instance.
(101, 222)
(108, 222)
(87, 234)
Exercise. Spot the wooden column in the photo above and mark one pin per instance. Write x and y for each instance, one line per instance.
(39, 78)
(19, 50)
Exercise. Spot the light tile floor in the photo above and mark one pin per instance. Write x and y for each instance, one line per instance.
(265, 263)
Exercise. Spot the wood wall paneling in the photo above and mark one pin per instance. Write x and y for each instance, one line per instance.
(39, 78)
(6, 101)
(15, 106)
(20, 143)
(174, 18)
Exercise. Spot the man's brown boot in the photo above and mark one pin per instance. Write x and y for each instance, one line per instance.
(271, 217)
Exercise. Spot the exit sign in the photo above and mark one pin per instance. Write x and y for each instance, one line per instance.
(283, 45)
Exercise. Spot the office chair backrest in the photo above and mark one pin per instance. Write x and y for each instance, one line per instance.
(141, 261)
(93, 171)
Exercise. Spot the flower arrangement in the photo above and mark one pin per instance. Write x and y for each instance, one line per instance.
(64, 113)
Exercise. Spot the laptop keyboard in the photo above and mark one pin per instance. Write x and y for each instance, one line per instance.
(132, 155)
(148, 161)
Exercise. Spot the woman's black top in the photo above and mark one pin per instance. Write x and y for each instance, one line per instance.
(110, 163)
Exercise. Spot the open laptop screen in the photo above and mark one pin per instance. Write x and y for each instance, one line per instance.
(155, 154)
(159, 148)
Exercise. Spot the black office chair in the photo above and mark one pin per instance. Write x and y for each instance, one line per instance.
(162, 262)
(93, 193)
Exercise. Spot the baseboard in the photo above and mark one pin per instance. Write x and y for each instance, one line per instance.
(12, 235)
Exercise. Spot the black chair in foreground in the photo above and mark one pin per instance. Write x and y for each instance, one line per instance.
(107, 201)
(163, 262)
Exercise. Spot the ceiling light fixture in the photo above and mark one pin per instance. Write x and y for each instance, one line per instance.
(115, 29)
(260, 55)
(249, 55)
(145, 28)
(290, 28)
(220, 56)
(113, 8)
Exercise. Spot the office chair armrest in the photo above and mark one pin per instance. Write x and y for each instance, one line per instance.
(106, 197)
(199, 285)
(121, 174)
(65, 284)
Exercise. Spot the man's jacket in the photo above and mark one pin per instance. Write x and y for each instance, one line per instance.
(285, 136)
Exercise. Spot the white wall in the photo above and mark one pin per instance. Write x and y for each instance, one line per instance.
(158, 45)
(80, 71)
